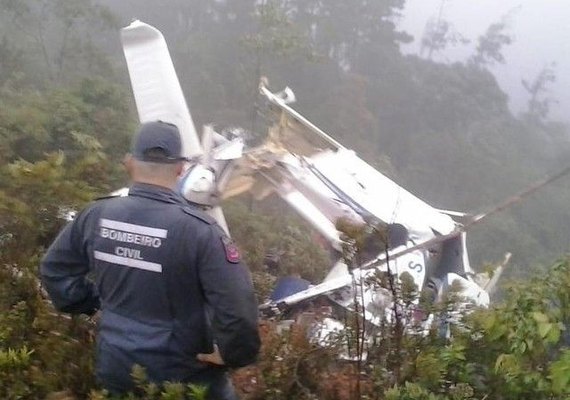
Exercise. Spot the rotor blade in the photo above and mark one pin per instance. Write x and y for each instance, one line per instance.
(156, 88)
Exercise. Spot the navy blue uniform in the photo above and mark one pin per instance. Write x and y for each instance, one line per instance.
(168, 282)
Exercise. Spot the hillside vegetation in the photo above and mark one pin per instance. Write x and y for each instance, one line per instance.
(444, 132)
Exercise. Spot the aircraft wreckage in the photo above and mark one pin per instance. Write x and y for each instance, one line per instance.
(320, 179)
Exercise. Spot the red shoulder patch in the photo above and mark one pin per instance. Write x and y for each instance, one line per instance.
(232, 251)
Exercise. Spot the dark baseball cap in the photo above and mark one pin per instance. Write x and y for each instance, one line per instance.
(157, 142)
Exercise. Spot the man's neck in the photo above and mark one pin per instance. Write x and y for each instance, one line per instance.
(156, 182)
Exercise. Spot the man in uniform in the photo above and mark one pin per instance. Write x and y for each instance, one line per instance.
(174, 296)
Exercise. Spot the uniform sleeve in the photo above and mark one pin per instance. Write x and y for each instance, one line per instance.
(64, 270)
(229, 292)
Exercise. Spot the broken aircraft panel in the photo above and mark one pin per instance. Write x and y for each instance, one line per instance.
(318, 177)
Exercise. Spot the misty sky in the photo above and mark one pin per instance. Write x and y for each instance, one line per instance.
(541, 32)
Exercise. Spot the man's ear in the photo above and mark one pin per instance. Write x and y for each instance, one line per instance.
(128, 163)
(180, 168)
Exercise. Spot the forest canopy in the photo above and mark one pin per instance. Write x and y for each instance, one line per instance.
(443, 131)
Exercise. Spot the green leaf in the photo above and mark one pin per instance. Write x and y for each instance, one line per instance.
(540, 317)
(560, 373)
(544, 329)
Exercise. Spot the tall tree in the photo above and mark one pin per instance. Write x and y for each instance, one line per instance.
(491, 44)
(59, 35)
(539, 101)
(439, 33)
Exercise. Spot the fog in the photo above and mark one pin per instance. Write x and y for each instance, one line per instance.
(541, 33)
(445, 131)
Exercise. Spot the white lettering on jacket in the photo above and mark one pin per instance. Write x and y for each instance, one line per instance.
(131, 233)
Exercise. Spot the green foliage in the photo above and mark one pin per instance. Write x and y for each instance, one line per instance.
(421, 121)
(445, 131)
(523, 341)
(518, 349)
(11, 59)
(439, 34)
(59, 148)
(412, 391)
(284, 236)
(91, 118)
(152, 391)
(290, 366)
(40, 351)
(539, 102)
(491, 44)
(15, 359)
(55, 37)
(276, 34)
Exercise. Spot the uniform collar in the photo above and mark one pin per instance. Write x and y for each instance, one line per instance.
(155, 192)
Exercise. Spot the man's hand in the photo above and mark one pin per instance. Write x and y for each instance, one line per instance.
(212, 358)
